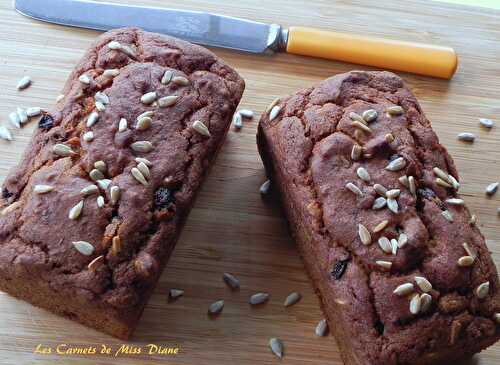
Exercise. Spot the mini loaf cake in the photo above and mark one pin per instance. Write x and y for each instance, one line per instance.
(90, 216)
(372, 199)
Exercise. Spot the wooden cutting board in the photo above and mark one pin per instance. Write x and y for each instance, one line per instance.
(231, 229)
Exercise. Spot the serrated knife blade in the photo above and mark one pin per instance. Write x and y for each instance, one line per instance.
(194, 26)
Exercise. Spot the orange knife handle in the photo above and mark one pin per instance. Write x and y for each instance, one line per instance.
(412, 57)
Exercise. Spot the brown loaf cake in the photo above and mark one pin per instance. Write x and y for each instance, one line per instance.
(407, 278)
(132, 228)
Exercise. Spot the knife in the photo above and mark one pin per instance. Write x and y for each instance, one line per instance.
(245, 35)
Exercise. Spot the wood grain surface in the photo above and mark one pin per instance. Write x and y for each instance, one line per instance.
(231, 229)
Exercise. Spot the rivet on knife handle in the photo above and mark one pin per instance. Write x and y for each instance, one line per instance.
(419, 58)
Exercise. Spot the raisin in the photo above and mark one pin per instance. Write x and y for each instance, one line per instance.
(6, 193)
(47, 122)
(164, 198)
(339, 268)
(379, 326)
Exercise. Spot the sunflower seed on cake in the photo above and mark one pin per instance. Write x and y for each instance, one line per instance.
(402, 240)
(423, 284)
(394, 245)
(84, 79)
(259, 298)
(112, 72)
(175, 293)
(100, 201)
(265, 187)
(393, 193)
(487, 123)
(381, 226)
(396, 164)
(470, 251)
(96, 175)
(483, 290)
(425, 302)
(10, 208)
(447, 215)
(180, 80)
(394, 110)
(274, 112)
(92, 119)
(62, 150)
(201, 128)
(167, 77)
(385, 244)
(392, 204)
(364, 235)
(149, 97)
(144, 169)
(100, 106)
(88, 136)
(412, 186)
(145, 161)
(321, 328)
(357, 152)
(292, 299)
(361, 126)
(23, 83)
(379, 203)
(231, 281)
(380, 189)
(95, 263)
(363, 174)
(216, 307)
(454, 182)
(384, 264)
(5, 133)
(84, 247)
(167, 101)
(357, 117)
(90, 189)
(101, 97)
(492, 188)
(103, 183)
(353, 188)
(466, 137)
(404, 289)
(276, 347)
(369, 115)
(76, 211)
(122, 125)
(143, 123)
(142, 146)
(101, 166)
(404, 181)
(137, 174)
(465, 261)
(455, 201)
(415, 304)
(443, 183)
(42, 189)
(114, 193)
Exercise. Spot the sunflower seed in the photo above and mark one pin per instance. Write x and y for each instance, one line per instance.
(167, 77)
(487, 123)
(404, 289)
(101, 166)
(246, 113)
(447, 215)
(148, 98)
(389, 138)
(385, 244)
(114, 193)
(364, 235)
(466, 261)
(231, 281)
(23, 115)
(425, 302)
(393, 193)
(473, 220)
(95, 175)
(100, 201)
(89, 190)
(482, 290)
(42, 189)
(114, 45)
(357, 152)
(84, 79)
(136, 173)
(466, 137)
(394, 110)
(237, 121)
(392, 204)
(321, 328)
(216, 307)
(292, 299)
(492, 188)
(273, 103)
(415, 304)
(33, 111)
(396, 164)
(380, 189)
(23, 83)
(455, 201)
(143, 123)
(370, 115)
(62, 150)
(100, 106)
(14, 120)
(470, 251)
(145, 161)
(361, 126)
(167, 101)
(116, 246)
(75, 212)
(379, 203)
(274, 112)
(412, 186)
(265, 187)
(443, 183)
(144, 169)
(357, 117)
(142, 146)
(381, 226)
(402, 240)
(394, 245)
(122, 125)
(384, 264)
(276, 347)
(441, 174)
(93, 119)
(454, 182)
(180, 80)
(176, 293)
(5, 133)
(104, 183)
(88, 136)
(496, 316)
(10, 208)
(404, 180)
(354, 189)
(95, 263)
(363, 174)
(101, 97)
(112, 72)
(84, 247)
(259, 298)
(201, 128)
(423, 284)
